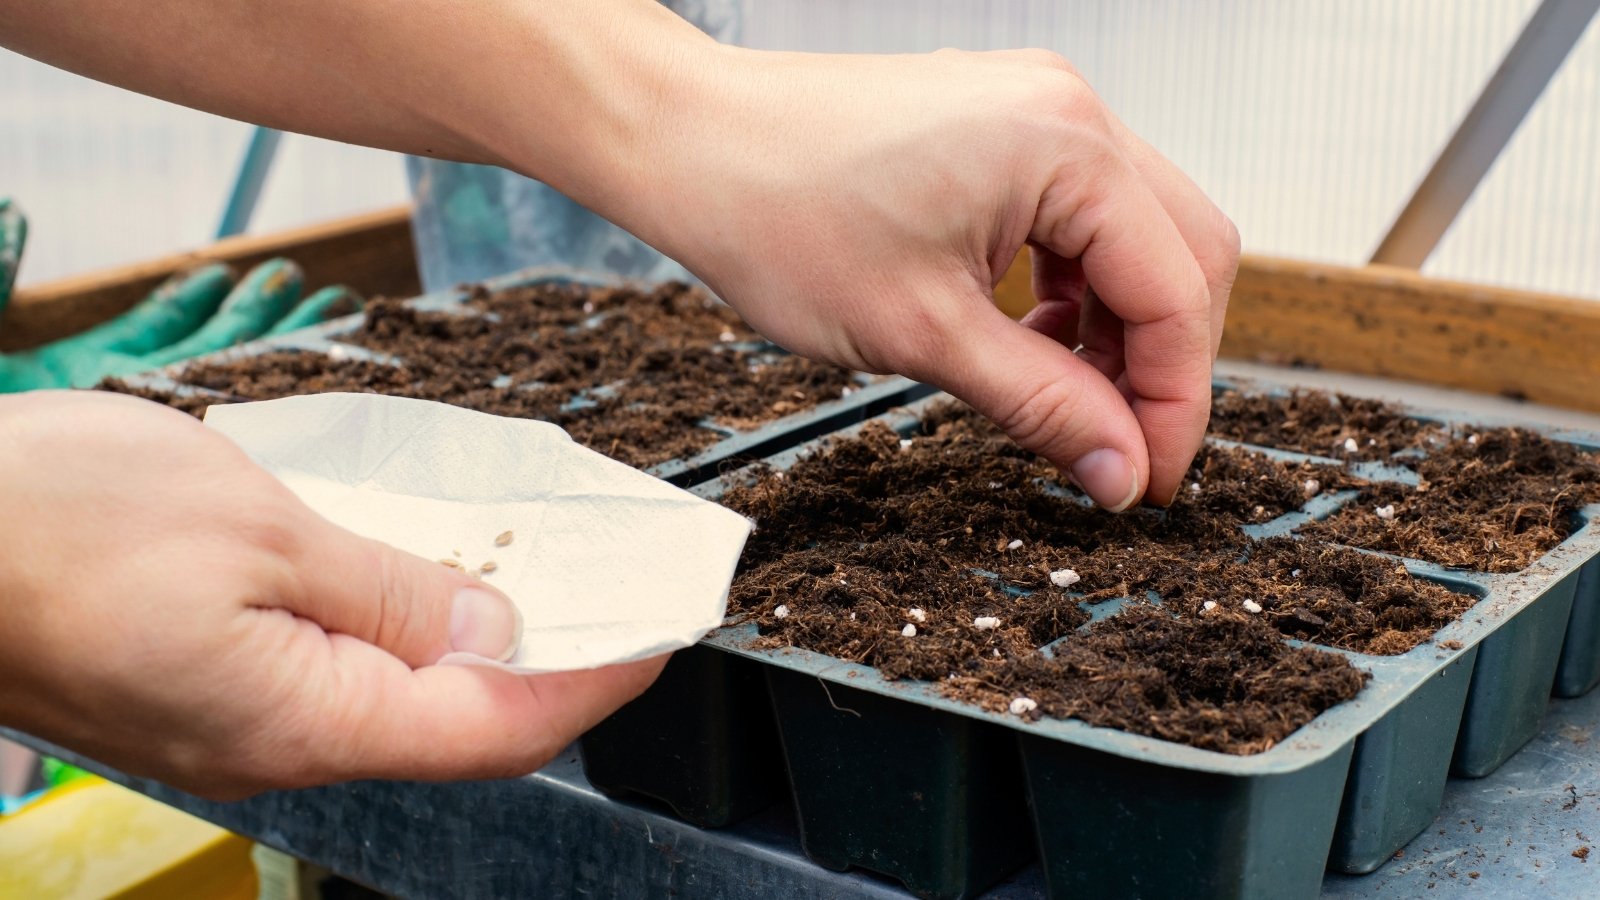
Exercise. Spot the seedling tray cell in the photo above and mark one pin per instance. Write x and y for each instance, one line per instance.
(933, 800)
(701, 739)
(1578, 672)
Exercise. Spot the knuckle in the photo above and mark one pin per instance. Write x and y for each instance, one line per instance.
(1043, 416)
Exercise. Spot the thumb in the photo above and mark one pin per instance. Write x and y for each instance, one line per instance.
(414, 608)
(1046, 398)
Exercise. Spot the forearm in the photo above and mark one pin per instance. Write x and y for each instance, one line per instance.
(568, 91)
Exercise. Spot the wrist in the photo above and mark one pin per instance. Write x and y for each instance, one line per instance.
(622, 94)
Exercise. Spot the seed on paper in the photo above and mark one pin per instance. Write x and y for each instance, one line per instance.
(910, 630)
(488, 567)
(1385, 513)
(503, 538)
(1250, 606)
(1022, 706)
(1064, 578)
(986, 623)
(782, 612)
(916, 614)
(452, 563)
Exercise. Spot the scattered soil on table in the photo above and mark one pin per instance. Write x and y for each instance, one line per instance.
(877, 533)
(1495, 501)
(1223, 682)
(1319, 422)
(671, 360)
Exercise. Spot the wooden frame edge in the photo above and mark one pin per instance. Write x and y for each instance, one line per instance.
(1394, 322)
(371, 252)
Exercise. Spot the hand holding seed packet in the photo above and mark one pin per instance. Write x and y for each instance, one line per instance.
(605, 563)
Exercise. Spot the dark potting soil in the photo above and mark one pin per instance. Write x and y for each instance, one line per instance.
(1225, 681)
(1494, 501)
(877, 533)
(671, 359)
(1319, 422)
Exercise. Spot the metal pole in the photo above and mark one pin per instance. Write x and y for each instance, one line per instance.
(1538, 53)
(247, 186)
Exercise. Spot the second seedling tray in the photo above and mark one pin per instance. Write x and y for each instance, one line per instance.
(736, 446)
(896, 777)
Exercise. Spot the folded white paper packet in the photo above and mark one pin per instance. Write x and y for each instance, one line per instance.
(606, 563)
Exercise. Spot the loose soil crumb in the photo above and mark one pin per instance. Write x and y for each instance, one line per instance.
(671, 359)
(1494, 501)
(1319, 422)
(880, 532)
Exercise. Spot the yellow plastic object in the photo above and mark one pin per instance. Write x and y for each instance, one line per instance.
(95, 839)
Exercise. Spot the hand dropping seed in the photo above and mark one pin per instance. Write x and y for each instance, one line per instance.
(503, 538)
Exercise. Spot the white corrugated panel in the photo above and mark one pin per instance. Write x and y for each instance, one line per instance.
(107, 176)
(1309, 122)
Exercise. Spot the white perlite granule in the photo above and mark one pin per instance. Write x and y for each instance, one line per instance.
(1014, 544)
(1022, 706)
(782, 612)
(916, 614)
(1385, 513)
(1064, 578)
(910, 630)
(1250, 606)
(986, 623)
(1209, 605)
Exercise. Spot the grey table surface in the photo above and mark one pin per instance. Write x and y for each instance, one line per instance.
(1512, 834)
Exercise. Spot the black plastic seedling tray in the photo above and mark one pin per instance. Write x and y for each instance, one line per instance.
(870, 397)
(895, 777)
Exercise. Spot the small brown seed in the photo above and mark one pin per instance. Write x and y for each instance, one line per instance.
(452, 563)
(503, 538)
(488, 567)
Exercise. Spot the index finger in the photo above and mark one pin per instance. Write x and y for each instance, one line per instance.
(1137, 263)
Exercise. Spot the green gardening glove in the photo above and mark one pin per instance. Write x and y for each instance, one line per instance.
(198, 312)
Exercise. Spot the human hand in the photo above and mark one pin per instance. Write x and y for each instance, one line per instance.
(860, 209)
(193, 313)
(171, 610)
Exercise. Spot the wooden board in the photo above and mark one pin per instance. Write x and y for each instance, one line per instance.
(1381, 320)
(372, 253)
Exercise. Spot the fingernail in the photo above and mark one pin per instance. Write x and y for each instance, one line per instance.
(1108, 477)
(486, 622)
